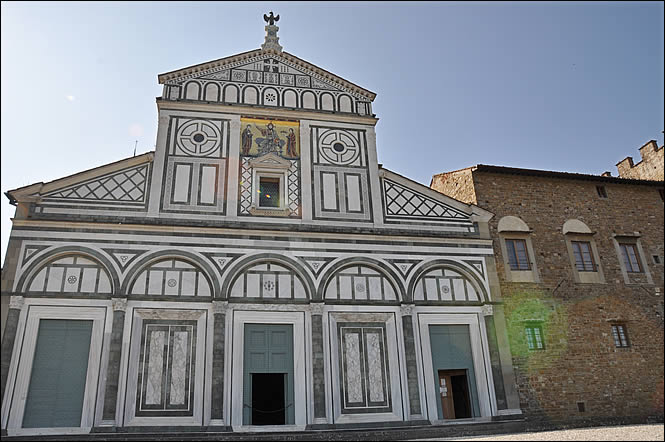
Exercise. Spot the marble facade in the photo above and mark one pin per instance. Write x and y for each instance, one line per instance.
(182, 249)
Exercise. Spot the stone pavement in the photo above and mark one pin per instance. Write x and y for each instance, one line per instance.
(626, 432)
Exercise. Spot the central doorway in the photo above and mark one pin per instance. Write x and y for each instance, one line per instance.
(268, 391)
(454, 391)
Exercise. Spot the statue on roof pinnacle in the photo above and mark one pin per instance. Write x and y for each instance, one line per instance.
(271, 19)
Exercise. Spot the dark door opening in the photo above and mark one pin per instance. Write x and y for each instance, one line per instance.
(454, 392)
(268, 400)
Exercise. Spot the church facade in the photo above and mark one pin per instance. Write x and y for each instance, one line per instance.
(258, 269)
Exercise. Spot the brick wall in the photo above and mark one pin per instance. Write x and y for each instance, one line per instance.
(651, 167)
(580, 362)
(457, 184)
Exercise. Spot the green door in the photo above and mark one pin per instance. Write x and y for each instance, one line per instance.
(59, 369)
(268, 350)
(451, 350)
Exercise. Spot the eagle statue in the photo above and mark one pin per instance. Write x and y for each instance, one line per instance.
(270, 19)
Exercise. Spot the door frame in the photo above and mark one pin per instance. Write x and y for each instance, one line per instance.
(100, 320)
(300, 374)
(479, 352)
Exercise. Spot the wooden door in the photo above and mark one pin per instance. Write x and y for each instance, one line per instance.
(446, 395)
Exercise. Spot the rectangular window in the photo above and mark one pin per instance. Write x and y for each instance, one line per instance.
(518, 258)
(630, 259)
(534, 336)
(662, 194)
(583, 256)
(601, 191)
(269, 188)
(620, 335)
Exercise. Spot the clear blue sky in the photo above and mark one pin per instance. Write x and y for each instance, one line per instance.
(557, 86)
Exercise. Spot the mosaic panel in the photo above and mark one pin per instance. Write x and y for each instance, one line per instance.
(363, 362)
(260, 137)
(166, 367)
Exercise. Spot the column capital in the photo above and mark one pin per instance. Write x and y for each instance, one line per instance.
(16, 302)
(317, 308)
(406, 309)
(219, 307)
(119, 304)
(487, 310)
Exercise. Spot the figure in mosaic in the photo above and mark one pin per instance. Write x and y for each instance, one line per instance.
(291, 150)
(247, 139)
(271, 141)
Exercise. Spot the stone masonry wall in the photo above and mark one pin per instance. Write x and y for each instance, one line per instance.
(580, 362)
(651, 167)
(457, 184)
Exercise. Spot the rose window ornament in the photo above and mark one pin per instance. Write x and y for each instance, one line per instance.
(72, 279)
(172, 282)
(199, 138)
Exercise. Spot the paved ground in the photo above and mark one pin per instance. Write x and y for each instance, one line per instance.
(627, 432)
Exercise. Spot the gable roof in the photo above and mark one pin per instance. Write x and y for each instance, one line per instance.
(209, 67)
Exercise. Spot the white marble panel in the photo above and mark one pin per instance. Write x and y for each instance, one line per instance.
(446, 291)
(430, 286)
(37, 284)
(236, 290)
(153, 392)
(353, 192)
(139, 285)
(172, 282)
(188, 283)
(329, 183)
(156, 281)
(375, 287)
(458, 287)
(253, 289)
(204, 286)
(179, 367)
(375, 371)
(104, 285)
(89, 279)
(285, 286)
(54, 279)
(352, 361)
(344, 287)
(182, 184)
(473, 295)
(72, 272)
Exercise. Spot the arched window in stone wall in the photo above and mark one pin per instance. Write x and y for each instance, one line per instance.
(268, 280)
(71, 274)
(171, 277)
(360, 283)
(444, 284)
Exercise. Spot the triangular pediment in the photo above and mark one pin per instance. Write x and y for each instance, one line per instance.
(267, 67)
(270, 161)
(124, 181)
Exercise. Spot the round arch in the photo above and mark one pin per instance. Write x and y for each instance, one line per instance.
(152, 258)
(52, 255)
(380, 267)
(455, 266)
(252, 261)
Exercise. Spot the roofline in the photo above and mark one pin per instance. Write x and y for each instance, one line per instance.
(560, 175)
(162, 78)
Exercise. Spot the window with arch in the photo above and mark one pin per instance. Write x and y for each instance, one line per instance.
(445, 284)
(71, 274)
(582, 252)
(171, 277)
(517, 250)
(360, 283)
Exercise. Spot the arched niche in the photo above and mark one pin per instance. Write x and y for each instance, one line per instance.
(71, 274)
(192, 90)
(345, 103)
(211, 92)
(575, 226)
(230, 93)
(512, 224)
(170, 276)
(268, 280)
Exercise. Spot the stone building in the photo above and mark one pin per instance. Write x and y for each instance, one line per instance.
(257, 269)
(651, 167)
(580, 264)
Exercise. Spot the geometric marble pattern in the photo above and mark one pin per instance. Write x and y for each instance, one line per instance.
(364, 372)
(171, 277)
(292, 187)
(401, 201)
(444, 284)
(128, 185)
(71, 274)
(166, 367)
(268, 281)
(360, 283)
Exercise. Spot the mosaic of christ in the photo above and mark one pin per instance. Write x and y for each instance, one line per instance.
(260, 137)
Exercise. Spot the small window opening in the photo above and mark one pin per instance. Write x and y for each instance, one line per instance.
(602, 192)
(581, 407)
(620, 335)
(534, 336)
(269, 192)
(656, 259)
(662, 194)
